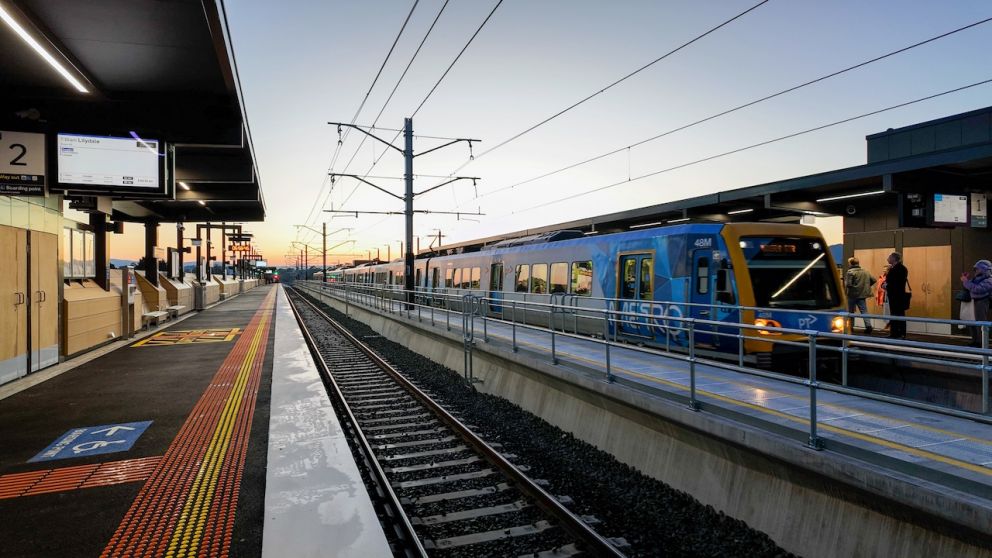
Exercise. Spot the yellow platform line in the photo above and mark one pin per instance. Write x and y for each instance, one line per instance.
(189, 529)
(836, 429)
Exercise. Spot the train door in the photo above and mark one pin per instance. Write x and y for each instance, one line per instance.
(636, 291)
(701, 295)
(496, 287)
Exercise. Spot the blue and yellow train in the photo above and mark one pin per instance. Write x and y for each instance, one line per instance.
(766, 274)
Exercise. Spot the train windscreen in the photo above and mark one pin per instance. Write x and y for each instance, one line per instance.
(790, 272)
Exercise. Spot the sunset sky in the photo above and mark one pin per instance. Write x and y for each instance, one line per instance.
(303, 64)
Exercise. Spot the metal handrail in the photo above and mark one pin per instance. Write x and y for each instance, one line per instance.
(811, 340)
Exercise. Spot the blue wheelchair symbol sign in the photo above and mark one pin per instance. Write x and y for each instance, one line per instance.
(93, 440)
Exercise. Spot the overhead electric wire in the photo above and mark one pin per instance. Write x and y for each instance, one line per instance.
(438, 83)
(337, 149)
(390, 98)
(611, 85)
(752, 146)
(735, 109)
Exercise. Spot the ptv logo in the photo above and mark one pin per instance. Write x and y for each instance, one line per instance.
(807, 322)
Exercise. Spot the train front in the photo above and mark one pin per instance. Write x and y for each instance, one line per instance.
(787, 274)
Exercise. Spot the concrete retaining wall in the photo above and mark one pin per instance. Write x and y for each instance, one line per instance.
(816, 504)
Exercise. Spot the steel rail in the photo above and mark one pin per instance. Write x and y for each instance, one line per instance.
(595, 543)
(402, 522)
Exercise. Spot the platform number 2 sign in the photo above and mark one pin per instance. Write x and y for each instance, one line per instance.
(22, 163)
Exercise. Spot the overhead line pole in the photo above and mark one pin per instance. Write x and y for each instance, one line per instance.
(407, 198)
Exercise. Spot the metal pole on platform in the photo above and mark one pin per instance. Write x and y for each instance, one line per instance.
(606, 341)
(693, 403)
(985, 369)
(814, 440)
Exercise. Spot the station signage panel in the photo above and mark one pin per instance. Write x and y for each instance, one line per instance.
(22, 164)
(239, 247)
(111, 165)
(950, 209)
(261, 263)
(979, 210)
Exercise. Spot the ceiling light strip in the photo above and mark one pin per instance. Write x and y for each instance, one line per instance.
(27, 38)
(849, 196)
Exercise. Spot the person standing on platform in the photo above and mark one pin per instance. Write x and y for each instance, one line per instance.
(858, 283)
(881, 299)
(897, 290)
(979, 285)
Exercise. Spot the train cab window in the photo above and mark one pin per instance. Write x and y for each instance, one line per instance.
(559, 277)
(539, 278)
(435, 277)
(629, 278)
(522, 280)
(476, 278)
(703, 275)
(582, 278)
(647, 279)
(449, 281)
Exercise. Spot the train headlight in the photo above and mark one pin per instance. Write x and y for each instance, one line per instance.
(837, 324)
(766, 322)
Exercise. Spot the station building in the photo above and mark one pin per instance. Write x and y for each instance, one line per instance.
(132, 114)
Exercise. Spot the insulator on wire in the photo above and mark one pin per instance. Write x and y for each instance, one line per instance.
(340, 141)
(471, 156)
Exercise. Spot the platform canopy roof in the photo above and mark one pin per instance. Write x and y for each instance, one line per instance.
(161, 69)
(954, 153)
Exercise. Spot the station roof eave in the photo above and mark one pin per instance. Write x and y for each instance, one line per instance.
(785, 200)
(163, 69)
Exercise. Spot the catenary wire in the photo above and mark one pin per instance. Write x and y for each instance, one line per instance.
(734, 109)
(610, 86)
(752, 146)
(337, 149)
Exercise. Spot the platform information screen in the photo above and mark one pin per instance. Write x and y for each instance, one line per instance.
(261, 263)
(110, 162)
(950, 209)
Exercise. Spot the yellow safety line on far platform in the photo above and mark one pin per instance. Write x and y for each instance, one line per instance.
(836, 429)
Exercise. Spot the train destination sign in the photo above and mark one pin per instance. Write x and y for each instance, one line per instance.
(22, 164)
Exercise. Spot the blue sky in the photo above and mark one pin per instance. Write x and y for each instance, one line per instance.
(304, 63)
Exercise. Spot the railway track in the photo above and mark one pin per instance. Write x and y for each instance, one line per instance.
(441, 490)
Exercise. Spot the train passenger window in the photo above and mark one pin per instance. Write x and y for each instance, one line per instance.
(582, 278)
(559, 277)
(458, 278)
(466, 278)
(435, 277)
(476, 278)
(647, 279)
(449, 278)
(629, 278)
(539, 278)
(418, 275)
(522, 280)
(703, 275)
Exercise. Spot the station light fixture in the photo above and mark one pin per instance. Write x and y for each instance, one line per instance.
(183, 185)
(201, 202)
(740, 211)
(682, 220)
(38, 48)
(643, 225)
(849, 196)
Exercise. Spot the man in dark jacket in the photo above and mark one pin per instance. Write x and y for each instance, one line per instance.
(979, 285)
(858, 283)
(896, 287)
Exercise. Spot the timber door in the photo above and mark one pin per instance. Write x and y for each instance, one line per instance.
(44, 296)
(14, 304)
(930, 279)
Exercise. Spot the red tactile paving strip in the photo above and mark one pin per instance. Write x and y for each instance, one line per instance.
(202, 467)
(80, 476)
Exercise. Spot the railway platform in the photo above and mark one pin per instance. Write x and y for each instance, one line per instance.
(742, 441)
(212, 437)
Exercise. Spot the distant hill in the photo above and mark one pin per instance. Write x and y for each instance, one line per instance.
(121, 263)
